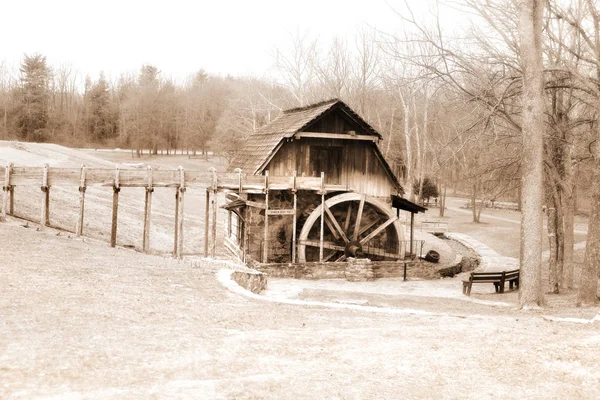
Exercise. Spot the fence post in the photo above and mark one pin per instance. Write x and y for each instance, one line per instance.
(6, 188)
(214, 212)
(115, 209)
(147, 212)
(206, 221)
(82, 188)
(181, 191)
(45, 212)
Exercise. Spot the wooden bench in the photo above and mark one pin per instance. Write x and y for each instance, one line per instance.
(497, 278)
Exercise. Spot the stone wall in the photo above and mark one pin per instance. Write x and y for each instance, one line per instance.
(251, 280)
(337, 270)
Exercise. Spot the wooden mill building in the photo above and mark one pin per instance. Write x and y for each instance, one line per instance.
(328, 191)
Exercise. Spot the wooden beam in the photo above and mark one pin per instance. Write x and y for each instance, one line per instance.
(180, 215)
(176, 224)
(342, 136)
(5, 191)
(206, 222)
(115, 208)
(294, 191)
(82, 189)
(147, 212)
(326, 245)
(45, 198)
(359, 217)
(378, 230)
(214, 212)
(412, 233)
(265, 248)
(321, 233)
(11, 208)
(335, 223)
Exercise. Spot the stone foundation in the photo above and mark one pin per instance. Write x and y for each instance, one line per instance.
(253, 281)
(359, 270)
(337, 270)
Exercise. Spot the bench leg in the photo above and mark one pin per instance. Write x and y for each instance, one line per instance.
(469, 288)
(510, 284)
(497, 287)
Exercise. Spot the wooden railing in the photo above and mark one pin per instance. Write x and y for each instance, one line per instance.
(46, 177)
(84, 176)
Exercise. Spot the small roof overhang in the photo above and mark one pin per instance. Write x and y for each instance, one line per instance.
(403, 204)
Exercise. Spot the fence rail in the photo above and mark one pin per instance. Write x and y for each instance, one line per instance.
(148, 177)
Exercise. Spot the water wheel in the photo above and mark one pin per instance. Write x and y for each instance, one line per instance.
(354, 224)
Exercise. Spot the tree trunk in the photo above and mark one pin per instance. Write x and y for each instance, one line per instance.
(474, 203)
(530, 34)
(588, 283)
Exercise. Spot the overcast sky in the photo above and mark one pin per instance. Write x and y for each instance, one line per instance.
(178, 36)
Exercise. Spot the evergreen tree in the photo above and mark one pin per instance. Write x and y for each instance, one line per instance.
(101, 119)
(33, 118)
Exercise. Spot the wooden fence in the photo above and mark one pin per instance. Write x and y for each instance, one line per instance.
(46, 177)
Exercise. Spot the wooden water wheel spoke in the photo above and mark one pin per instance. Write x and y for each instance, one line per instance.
(330, 256)
(359, 217)
(332, 229)
(326, 245)
(377, 231)
(335, 223)
(368, 226)
(348, 217)
(342, 258)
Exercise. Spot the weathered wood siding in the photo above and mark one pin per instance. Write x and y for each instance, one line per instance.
(359, 170)
(335, 122)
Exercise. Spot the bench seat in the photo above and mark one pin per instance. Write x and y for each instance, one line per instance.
(497, 278)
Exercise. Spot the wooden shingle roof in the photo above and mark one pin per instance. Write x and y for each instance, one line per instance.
(262, 144)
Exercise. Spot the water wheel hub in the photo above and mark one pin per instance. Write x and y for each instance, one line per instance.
(353, 249)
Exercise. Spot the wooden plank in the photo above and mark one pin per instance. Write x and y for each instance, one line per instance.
(233, 247)
(281, 212)
(206, 222)
(176, 227)
(342, 136)
(361, 207)
(11, 208)
(5, 192)
(100, 177)
(45, 197)
(295, 192)
(326, 245)
(180, 216)
(321, 232)
(378, 230)
(335, 223)
(265, 254)
(214, 213)
(115, 209)
(25, 176)
(147, 211)
(82, 189)
(64, 176)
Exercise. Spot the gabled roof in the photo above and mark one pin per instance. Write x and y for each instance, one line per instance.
(262, 144)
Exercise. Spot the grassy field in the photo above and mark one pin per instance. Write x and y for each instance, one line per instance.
(80, 320)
